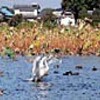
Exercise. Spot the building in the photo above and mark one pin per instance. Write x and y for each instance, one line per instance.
(58, 12)
(6, 11)
(67, 19)
(27, 11)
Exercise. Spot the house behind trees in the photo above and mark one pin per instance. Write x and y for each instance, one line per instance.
(27, 11)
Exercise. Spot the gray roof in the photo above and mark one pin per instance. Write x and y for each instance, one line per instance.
(26, 7)
(58, 9)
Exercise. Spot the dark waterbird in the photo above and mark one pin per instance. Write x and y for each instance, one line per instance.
(94, 68)
(70, 73)
(79, 67)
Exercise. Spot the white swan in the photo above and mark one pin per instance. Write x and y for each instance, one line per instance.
(40, 67)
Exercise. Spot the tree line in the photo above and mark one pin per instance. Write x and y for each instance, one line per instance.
(80, 6)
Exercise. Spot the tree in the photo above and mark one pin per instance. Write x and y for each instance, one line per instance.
(46, 14)
(48, 18)
(92, 4)
(78, 6)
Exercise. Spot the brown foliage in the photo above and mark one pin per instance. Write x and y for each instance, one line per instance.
(35, 40)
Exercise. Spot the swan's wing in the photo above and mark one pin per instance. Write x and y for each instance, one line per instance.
(34, 68)
(36, 65)
(46, 64)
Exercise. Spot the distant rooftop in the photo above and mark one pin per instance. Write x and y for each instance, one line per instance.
(27, 7)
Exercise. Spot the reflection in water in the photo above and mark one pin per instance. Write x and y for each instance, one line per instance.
(43, 90)
(43, 85)
(42, 95)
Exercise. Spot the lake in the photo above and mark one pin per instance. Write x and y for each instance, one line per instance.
(58, 85)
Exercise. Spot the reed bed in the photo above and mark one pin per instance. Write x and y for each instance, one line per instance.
(32, 38)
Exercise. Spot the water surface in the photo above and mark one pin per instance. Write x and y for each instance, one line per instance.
(55, 86)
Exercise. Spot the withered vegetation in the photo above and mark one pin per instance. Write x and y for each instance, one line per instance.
(32, 38)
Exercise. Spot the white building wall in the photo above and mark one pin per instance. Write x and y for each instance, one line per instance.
(67, 21)
(17, 11)
(27, 13)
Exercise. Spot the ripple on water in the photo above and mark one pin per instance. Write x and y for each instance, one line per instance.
(55, 86)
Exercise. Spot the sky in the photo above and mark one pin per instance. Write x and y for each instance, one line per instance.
(42, 3)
